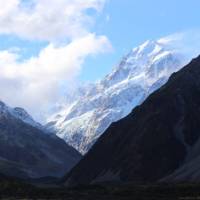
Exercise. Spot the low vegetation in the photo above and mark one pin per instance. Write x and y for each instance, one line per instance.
(10, 190)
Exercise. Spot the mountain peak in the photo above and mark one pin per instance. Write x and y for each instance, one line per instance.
(143, 70)
(18, 113)
(2, 106)
(146, 47)
(22, 112)
(157, 141)
(26, 151)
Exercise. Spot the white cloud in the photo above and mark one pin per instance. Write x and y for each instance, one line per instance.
(48, 20)
(38, 82)
(186, 42)
(35, 83)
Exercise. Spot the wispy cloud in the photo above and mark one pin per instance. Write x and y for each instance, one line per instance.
(186, 42)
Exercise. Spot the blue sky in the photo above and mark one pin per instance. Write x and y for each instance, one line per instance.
(48, 46)
(134, 21)
(127, 23)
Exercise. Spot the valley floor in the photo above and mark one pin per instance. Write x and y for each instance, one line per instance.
(15, 190)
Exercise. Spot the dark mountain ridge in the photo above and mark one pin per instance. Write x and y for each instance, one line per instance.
(28, 152)
(153, 141)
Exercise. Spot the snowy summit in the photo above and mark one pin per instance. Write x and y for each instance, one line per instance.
(145, 69)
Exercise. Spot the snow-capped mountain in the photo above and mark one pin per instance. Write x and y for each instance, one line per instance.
(19, 113)
(142, 71)
(26, 151)
(158, 141)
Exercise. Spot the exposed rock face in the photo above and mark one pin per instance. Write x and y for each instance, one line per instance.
(159, 137)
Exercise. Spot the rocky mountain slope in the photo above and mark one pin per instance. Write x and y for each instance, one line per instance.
(146, 68)
(28, 152)
(160, 138)
(19, 113)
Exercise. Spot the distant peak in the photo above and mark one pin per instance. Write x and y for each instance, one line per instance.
(18, 113)
(23, 115)
(147, 48)
(2, 104)
(3, 107)
(146, 44)
(21, 111)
